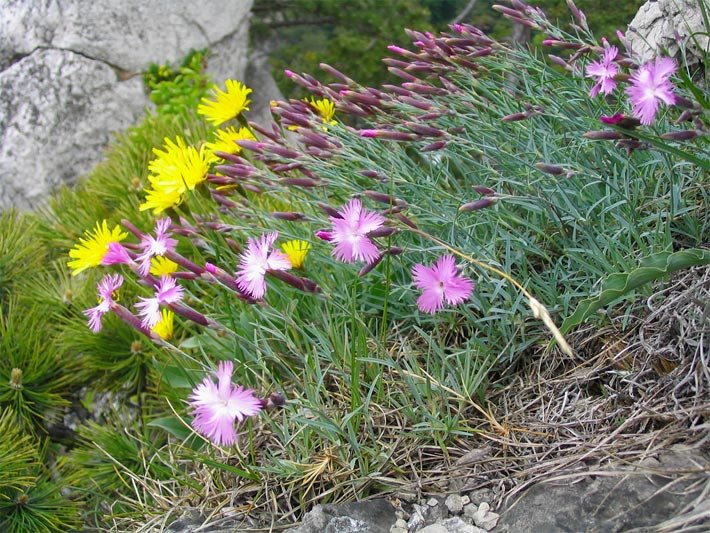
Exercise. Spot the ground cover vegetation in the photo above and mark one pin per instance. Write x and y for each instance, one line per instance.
(251, 319)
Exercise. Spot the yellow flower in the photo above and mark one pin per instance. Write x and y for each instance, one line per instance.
(296, 250)
(165, 327)
(225, 138)
(326, 110)
(162, 266)
(176, 170)
(227, 105)
(91, 250)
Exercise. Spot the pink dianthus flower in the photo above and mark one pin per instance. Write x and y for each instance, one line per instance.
(440, 283)
(649, 85)
(604, 71)
(167, 292)
(106, 287)
(350, 231)
(217, 405)
(256, 261)
(158, 245)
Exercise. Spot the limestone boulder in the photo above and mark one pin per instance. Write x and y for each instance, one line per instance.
(70, 77)
(667, 26)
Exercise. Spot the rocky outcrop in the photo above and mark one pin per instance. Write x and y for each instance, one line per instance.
(70, 77)
(666, 27)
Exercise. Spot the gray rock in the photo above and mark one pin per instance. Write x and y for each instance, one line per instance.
(455, 502)
(456, 525)
(434, 528)
(56, 115)
(484, 517)
(69, 77)
(616, 499)
(375, 516)
(660, 25)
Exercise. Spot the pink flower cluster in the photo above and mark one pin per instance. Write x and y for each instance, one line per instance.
(650, 83)
(352, 228)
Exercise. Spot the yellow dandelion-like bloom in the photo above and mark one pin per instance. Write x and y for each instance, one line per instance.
(227, 105)
(296, 250)
(91, 250)
(162, 266)
(176, 170)
(159, 200)
(325, 109)
(225, 140)
(165, 327)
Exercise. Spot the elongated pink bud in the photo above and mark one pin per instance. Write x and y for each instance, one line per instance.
(316, 139)
(415, 102)
(336, 74)
(480, 189)
(383, 231)
(383, 198)
(680, 135)
(603, 135)
(286, 167)
(406, 221)
(550, 169)
(433, 147)
(402, 74)
(300, 182)
(423, 129)
(481, 203)
(421, 88)
(516, 117)
(369, 267)
(370, 173)
(328, 210)
(389, 135)
(253, 146)
(291, 216)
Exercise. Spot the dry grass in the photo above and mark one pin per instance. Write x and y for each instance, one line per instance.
(625, 396)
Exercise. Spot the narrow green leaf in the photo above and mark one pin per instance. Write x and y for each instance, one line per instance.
(651, 268)
(172, 425)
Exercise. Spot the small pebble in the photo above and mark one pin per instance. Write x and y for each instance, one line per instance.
(433, 528)
(401, 523)
(456, 525)
(395, 529)
(484, 518)
(432, 502)
(454, 503)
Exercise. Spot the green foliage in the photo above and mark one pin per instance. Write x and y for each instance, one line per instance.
(179, 89)
(31, 499)
(369, 379)
(20, 253)
(34, 375)
(621, 284)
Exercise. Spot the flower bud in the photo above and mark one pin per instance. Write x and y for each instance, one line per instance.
(328, 210)
(604, 135)
(480, 189)
(291, 216)
(383, 198)
(481, 203)
(383, 231)
(680, 135)
(300, 182)
(433, 147)
(550, 169)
